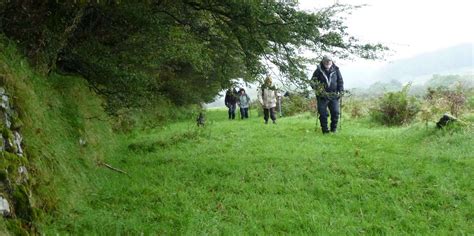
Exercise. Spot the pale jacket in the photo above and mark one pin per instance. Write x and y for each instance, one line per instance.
(244, 101)
(269, 98)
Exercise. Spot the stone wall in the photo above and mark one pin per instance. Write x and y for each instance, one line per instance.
(15, 190)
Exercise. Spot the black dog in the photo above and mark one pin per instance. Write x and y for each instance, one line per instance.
(445, 120)
(200, 120)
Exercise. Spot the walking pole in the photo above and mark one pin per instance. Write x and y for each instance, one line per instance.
(279, 105)
(340, 112)
(250, 108)
(317, 115)
(240, 115)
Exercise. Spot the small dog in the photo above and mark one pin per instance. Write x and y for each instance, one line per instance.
(200, 120)
(445, 120)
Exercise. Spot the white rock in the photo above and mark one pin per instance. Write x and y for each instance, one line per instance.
(4, 103)
(8, 123)
(22, 170)
(4, 206)
(17, 141)
(82, 142)
(2, 143)
(23, 175)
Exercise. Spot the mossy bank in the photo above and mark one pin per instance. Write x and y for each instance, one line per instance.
(54, 134)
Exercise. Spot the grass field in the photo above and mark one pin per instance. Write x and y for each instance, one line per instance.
(245, 177)
(231, 177)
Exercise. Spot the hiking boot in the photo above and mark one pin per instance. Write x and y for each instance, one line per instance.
(266, 122)
(274, 122)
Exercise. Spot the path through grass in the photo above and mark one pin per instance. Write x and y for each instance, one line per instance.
(236, 177)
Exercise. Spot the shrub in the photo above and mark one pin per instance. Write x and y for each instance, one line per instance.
(255, 105)
(296, 104)
(453, 100)
(470, 102)
(357, 107)
(149, 117)
(396, 108)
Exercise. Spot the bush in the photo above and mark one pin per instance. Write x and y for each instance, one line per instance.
(255, 105)
(296, 104)
(446, 99)
(396, 108)
(290, 106)
(470, 102)
(357, 107)
(149, 117)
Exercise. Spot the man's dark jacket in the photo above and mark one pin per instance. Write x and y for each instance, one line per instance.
(331, 79)
(230, 98)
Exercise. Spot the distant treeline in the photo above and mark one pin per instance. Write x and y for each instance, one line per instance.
(451, 82)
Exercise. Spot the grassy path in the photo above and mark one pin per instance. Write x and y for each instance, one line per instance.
(244, 177)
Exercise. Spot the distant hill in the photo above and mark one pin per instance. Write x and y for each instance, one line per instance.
(458, 59)
(451, 81)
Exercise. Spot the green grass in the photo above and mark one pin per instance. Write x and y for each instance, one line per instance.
(55, 112)
(244, 177)
(232, 177)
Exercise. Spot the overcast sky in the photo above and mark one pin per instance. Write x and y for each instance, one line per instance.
(409, 27)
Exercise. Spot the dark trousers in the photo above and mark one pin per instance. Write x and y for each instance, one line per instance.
(270, 111)
(232, 111)
(334, 109)
(244, 113)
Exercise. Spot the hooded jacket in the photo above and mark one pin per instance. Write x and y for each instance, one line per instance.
(231, 98)
(267, 95)
(244, 101)
(331, 79)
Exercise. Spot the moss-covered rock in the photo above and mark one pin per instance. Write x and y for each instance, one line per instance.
(3, 175)
(22, 204)
(8, 137)
(16, 122)
(17, 227)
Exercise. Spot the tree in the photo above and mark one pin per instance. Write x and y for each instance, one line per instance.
(185, 51)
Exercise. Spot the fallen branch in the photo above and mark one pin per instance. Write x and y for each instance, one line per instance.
(113, 168)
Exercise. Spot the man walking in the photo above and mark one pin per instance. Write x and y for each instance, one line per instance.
(230, 100)
(329, 85)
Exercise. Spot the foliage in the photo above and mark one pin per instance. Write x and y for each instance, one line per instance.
(255, 105)
(451, 81)
(357, 107)
(294, 104)
(396, 108)
(214, 180)
(56, 114)
(297, 104)
(128, 119)
(185, 52)
(445, 99)
(379, 88)
(470, 102)
(447, 94)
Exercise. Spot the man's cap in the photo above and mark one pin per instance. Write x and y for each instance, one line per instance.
(326, 58)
